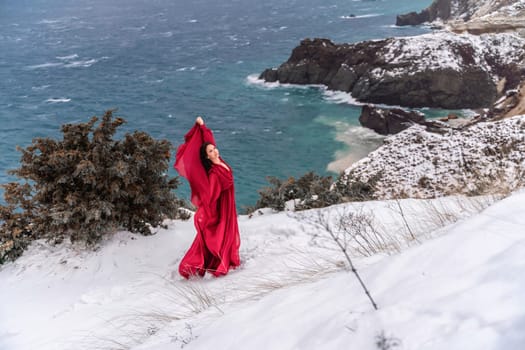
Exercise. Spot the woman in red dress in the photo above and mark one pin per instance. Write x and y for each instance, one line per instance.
(216, 246)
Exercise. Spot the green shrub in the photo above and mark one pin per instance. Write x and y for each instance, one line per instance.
(352, 189)
(314, 191)
(309, 191)
(87, 185)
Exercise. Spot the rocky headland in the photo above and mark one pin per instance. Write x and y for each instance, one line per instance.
(441, 70)
(474, 60)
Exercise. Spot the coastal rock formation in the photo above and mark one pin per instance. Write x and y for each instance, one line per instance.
(438, 9)
(511, 104)
(442, 70)
(389, 121)
(488, 157)
(472, 16)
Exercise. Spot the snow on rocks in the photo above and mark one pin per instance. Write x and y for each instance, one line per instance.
(445, 50)
(484, 158)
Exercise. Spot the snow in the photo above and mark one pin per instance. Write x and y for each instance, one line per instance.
(418, 163)
(457, 285)
(446, 50)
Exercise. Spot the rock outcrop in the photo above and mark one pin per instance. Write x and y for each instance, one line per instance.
(388, 121)
(441, 70)
(438, 9)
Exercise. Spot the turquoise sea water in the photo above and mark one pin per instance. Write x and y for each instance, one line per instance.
(163, 62)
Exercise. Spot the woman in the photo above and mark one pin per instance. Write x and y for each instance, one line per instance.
(216, 246)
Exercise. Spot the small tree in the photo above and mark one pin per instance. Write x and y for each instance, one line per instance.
(87, 185)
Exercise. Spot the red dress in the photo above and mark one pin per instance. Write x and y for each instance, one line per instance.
(216, 246)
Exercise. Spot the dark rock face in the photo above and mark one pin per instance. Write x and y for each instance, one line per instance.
(389, 121)
(438, 9)
(442, 71)
(412, 18)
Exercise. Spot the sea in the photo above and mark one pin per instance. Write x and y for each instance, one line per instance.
(161, 63)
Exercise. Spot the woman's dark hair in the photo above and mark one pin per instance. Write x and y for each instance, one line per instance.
(204, 157)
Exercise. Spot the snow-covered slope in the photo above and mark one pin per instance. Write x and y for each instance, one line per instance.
(486, 157)
(455, 287)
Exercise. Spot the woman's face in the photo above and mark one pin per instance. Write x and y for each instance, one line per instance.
(212, 153)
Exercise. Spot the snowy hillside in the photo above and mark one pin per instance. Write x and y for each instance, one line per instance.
(421, 164)
(455, 286)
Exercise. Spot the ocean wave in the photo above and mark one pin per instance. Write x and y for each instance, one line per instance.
(361, 16)
(340, 97)
(68, 57)
(253, 79)
(41, 87)
(359, 143)
(81, 63)
(58, 100)
(49, 21)
(67, 62)
(393, 26)
(184, 69)
(46, 65)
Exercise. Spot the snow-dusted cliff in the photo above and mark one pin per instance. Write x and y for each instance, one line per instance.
(442, 70)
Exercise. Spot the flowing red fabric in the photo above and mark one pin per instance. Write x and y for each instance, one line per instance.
(216, 245)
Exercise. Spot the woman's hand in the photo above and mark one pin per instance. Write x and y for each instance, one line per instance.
(199, 120)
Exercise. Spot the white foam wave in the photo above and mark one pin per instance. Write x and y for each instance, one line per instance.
(81, 63)
(58, 100)
(184, 69)
(359, 142)
(361, 16)
(340, 97)
(394, 26)
(253, 79)
(49, 21)
(38, 88)
(68, 58)
(192, 21)
(46, 65)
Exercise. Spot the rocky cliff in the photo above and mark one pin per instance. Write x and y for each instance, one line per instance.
(440, 70)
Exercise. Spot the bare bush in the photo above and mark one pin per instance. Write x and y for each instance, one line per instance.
(356, 229)
(342, 237)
